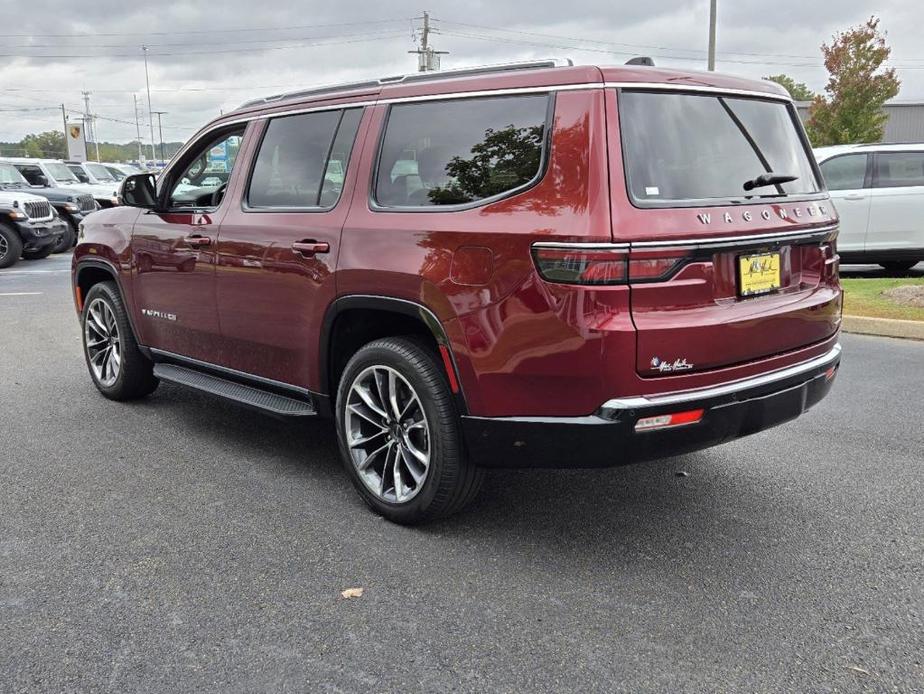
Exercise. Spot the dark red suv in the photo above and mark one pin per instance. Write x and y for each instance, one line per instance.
(530, 265)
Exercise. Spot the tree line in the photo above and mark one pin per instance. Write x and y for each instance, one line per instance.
(51, 145)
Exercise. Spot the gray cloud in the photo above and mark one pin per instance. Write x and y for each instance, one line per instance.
(199, 66)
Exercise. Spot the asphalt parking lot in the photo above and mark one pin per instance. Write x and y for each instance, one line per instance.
(183, 544)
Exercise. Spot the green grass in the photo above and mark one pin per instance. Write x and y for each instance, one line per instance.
(863, 297)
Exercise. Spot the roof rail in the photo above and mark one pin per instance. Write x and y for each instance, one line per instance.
(409, 78)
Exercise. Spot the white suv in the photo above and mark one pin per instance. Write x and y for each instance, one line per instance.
(878, 191)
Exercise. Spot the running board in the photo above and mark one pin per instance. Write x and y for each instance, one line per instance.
(237, 392)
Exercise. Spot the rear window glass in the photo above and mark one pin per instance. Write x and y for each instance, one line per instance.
(846, 172)
(683, 147)
(898, 169)
(460, 151)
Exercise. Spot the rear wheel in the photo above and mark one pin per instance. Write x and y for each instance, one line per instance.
(118, 368)
(10, 246)
(897, 266)
(399, 433)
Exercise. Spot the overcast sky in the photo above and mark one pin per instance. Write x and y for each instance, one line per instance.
(208, 56)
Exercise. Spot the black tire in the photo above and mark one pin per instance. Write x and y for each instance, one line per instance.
(451, 481)
(135, 377)
(10, 246)
(39, 254)
(67, 239)
(897, 266)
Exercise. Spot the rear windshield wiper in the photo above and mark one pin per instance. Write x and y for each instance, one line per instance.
(769, 179)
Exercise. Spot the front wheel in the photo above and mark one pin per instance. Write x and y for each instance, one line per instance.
(400, 435)
(66, 242)
(10, 246)
(118, 368)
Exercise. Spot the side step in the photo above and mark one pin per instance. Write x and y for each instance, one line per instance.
(231, 390)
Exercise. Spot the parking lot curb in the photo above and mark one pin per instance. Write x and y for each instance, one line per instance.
(886, 327)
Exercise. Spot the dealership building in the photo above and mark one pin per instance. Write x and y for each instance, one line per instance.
(905, 123)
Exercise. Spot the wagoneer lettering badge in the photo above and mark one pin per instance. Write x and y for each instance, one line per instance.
(766, 215)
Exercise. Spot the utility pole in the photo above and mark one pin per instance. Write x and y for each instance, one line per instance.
(150, 112)
(138, 129)
(428, 59)
(160, 131)
(64, 117)
(90, 122)
(712, 9)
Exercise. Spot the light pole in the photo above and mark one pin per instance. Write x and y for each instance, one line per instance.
(712, 10)
(150, 112)
(160, 131)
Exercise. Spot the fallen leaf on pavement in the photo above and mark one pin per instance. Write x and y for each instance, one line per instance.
(858, 669)
(352, 593)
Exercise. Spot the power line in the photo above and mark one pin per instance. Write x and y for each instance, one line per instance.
(607, 51)
(210, 43)
(60, 56)
(206, 31)
(700, 53)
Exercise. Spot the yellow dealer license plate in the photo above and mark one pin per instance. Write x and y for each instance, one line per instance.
(758, 274)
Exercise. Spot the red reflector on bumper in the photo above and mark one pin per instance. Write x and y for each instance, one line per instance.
(664, 421)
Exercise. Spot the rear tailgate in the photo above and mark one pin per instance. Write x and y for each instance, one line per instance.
(719, 276)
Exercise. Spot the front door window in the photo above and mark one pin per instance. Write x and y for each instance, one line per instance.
(204, 180)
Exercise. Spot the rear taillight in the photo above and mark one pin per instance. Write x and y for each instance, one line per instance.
(601, 264)
(656, 265)
(581, 263)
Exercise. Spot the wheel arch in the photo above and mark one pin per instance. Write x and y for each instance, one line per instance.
(355, 320)
(90, 272)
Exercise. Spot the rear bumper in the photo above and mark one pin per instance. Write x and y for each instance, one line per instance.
(608, 437)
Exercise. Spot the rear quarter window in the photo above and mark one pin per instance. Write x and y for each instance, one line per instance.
(460, 151)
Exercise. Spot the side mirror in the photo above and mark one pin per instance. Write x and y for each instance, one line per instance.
(139, 190)
(41, 180)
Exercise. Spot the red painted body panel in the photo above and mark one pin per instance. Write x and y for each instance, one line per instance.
(519, 338)
(522, 346)
(271, 299)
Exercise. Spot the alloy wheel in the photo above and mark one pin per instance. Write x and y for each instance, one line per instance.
(4, 247)
(104, 346)
(387, 434)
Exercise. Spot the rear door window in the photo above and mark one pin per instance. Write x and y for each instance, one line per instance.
(690, 148)
(302, 160)
(460, 151)
(899, 169)
(846, 172)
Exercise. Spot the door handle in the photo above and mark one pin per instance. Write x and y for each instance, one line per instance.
(310, 248)
(854, 197)
(197, 241)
